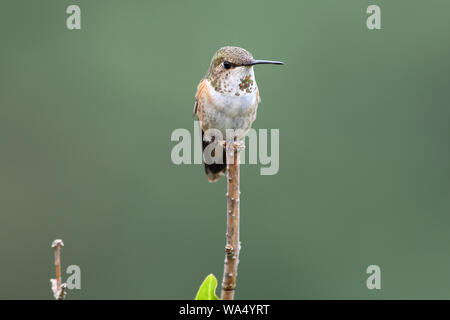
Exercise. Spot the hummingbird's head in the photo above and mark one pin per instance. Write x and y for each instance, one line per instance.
(233, 66)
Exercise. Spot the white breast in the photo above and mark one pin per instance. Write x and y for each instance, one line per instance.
(229, 111)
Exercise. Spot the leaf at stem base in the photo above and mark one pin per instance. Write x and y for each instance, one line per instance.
(207, 290)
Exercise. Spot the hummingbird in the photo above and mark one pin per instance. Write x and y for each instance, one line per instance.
(227, 98)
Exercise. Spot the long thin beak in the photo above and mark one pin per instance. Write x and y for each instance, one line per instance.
(262, 62)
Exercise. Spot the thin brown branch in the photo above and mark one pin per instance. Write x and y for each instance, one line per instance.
(232, 247)
(58, 288)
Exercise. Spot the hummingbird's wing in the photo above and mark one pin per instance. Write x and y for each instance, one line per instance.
(201, 89)
(215, 170)
(194, 112)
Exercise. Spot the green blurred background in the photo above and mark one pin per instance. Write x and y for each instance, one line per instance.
(85, 124)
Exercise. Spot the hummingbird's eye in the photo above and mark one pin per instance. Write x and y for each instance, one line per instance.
(226, 65)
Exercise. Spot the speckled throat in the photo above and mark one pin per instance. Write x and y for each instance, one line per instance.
(236, 81)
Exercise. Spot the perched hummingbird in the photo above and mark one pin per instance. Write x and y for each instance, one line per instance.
(227, 98)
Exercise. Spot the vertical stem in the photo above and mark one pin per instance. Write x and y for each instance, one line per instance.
(58, 266)
(59, 290)
(233, 245)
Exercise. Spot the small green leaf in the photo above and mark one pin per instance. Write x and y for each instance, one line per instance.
(207, 290)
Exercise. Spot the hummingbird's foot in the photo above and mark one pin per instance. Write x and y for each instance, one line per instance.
(222, 143)
(239, 145)
(233, 146)
(215, 141)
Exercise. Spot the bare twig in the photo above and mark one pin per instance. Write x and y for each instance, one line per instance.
(59, 290)
(233, 245)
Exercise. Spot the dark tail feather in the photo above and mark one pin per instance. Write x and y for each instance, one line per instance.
(215, 170)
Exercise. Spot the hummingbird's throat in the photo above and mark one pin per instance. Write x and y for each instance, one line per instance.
(239, 81)
(246, 84)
